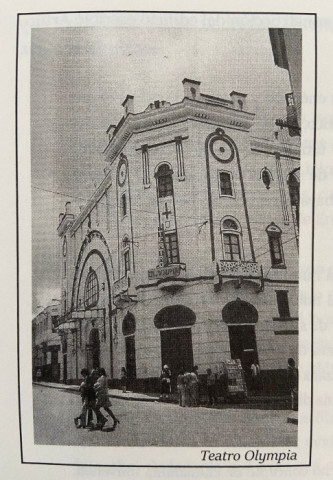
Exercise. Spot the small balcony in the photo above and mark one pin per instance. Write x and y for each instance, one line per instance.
(124, 291)
(240, 270)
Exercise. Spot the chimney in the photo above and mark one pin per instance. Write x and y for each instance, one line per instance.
(110, 131)
(68, 206)
(128, 105)
(191, 88)
(239, 100)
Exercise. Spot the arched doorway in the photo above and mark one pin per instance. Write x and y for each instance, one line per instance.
(93, 350)
(175, 324)
(129, 334)
(241, 318)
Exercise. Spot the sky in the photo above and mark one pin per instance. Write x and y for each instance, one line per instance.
(79, 79)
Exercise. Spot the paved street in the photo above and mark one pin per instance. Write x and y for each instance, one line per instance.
(149, 424)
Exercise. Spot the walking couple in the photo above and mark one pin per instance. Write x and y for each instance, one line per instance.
(94, 394)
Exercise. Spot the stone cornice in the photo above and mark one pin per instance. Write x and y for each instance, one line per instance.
(272, 147)
(188, 109)
(88, 207)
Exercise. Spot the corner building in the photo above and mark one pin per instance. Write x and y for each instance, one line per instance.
(187, 252)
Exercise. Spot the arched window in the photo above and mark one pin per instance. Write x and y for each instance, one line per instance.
(275, 245)
(231, 239)
(164, 181)
(167, 218)
(293, 184)
(91, 289)
(126, 255)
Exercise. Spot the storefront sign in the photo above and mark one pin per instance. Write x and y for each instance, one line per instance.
(164, 272)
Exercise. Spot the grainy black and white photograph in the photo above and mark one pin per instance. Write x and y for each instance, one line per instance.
(165, 235)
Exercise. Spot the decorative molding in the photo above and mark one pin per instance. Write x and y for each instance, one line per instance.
(180, 158)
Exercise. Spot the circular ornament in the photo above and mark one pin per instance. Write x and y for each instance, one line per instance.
(122, 172)
(222, 150)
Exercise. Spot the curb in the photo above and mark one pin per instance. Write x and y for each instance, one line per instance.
(112, 395)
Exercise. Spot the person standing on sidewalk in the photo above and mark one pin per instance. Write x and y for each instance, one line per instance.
(211, 387)
(255, 377)
(193, 388)
(103, 400)
(292, 379)
(181, 387)
(123, 379)
(165, 380)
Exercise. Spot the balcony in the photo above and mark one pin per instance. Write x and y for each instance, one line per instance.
(240, 270)
(124, 291)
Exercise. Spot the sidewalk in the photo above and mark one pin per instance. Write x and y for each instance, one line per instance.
(114, 393)
(257, 401)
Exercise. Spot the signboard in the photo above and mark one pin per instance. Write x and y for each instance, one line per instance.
(162, 256)
(236, 380)
(164, 272)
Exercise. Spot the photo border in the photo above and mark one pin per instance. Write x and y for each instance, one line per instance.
(312, 221)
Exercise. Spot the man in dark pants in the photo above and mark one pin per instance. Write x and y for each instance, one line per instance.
(292, 378)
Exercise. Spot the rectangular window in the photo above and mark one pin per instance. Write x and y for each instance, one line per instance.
(127, 264)
(283, 303)
(275, 250)
(231, 246)
(225, 184)
(123, 205)
(171, 245)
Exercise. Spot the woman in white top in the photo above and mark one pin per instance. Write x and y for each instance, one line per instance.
(103, 400)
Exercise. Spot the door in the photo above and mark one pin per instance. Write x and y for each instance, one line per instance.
(64, 373)
(176, 350)
(93, 350)
(243, 345)
(130, 356)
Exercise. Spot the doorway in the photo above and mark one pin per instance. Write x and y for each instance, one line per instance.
(130, 356)
(176, 349)
(93, 350)
(243, 345)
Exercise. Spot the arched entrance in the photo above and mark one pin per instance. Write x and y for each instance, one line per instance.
(241, 318)
(93, 350)
(175, 323)
(129, 334)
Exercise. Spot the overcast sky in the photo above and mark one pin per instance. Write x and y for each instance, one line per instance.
(80, 77)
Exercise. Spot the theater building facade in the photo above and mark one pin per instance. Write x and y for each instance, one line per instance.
(187, 252)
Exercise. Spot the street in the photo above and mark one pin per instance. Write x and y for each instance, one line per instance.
(158, 424)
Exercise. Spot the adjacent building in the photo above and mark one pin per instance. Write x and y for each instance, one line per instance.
(46, 344)
(187, 252)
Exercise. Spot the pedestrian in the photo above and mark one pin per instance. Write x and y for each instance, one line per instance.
(193, 388)
(255, 377)
(88, 396)
(39, 375)
(181, 387)
(123, 379)
(165, 379)
(94, 374)
(103, 400)
(211, 387)
(292, 379)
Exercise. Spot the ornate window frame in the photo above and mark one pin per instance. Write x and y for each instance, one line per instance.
(91, 289)
(229, 230)
(274, 233)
